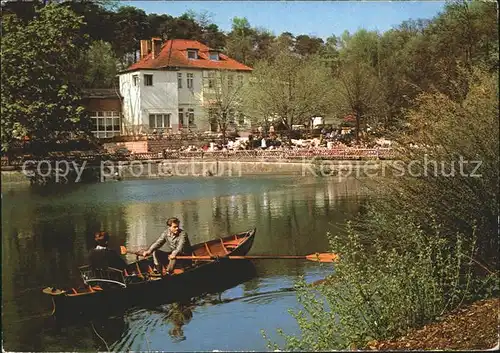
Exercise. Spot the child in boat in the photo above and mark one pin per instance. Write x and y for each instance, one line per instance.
(101, 257)
(178, 242)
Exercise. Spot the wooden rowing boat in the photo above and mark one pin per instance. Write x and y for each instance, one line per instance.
(112, 289)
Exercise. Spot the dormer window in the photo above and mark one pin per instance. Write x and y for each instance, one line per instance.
(214, 55)
(192, 53)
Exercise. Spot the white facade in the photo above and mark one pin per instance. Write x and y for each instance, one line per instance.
(141, 100)
(163, 100)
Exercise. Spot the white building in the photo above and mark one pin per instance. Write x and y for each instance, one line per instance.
(166, 89)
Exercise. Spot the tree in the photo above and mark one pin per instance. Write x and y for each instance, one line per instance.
(329, 52)
(404, 262)
(131, 25)
(306, 45)
(394, 65)
(100, 66)
(290, 89)
(359, 92)
(239, 44)
(263, 41)
(362, 47)
(40, 75)
(213, 37)
(210, 34)
(98, 19)
(468, 30)
(183, 27)
(429, 55)
(222, 99)
(284, 43)
(23, 10)
(158, 25)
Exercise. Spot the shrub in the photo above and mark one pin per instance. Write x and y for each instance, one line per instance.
(379, 291)
(428, 244)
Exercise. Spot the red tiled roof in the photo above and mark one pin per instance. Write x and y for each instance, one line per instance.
(174, 54)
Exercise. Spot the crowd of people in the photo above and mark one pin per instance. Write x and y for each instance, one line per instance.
(272, 141)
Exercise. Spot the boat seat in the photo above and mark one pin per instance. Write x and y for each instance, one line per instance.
(231, 245)
(110, 275)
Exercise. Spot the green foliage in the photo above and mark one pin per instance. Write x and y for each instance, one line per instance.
(222, 99)
(359, 92)
(131, 25)
(361, 47)
(381, 289)
(330, 53)
(421, 55)
(306, 45)
(40, 95)
(288, 88)
(240, 41)
(428, 243)
(416, 56)
(100, 65)
(455, 138)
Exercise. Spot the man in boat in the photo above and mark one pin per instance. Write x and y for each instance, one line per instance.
(101, 257)
(178, 242)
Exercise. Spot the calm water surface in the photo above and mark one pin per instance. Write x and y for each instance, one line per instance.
(46, 234)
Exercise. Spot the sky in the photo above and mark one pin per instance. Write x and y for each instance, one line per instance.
(317, 18)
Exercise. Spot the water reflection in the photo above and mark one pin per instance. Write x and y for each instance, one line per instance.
(205, 218)
(107, 330)
(176, 315)
(144, 325)
(47, 235)
(179, 315)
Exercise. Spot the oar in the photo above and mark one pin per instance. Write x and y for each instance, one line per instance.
(323, 257)
(317, 257)
(124, 251)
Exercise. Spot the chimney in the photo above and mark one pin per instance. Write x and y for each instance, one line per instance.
(145, 48)
(156, 44)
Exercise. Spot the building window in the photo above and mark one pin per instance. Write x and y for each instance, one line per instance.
(148, 80)
(230, 81)
(135, 80)
(105, 124)
(192, 54)
(159, 121)
(211, 79)
(191, 116)
(181, 117)
(190, 79)
(214, 55)
(240, 80)
(179, 80)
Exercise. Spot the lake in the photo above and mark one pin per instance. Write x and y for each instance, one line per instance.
(47, 233)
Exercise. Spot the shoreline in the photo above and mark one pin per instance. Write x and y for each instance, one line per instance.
(159, 169)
